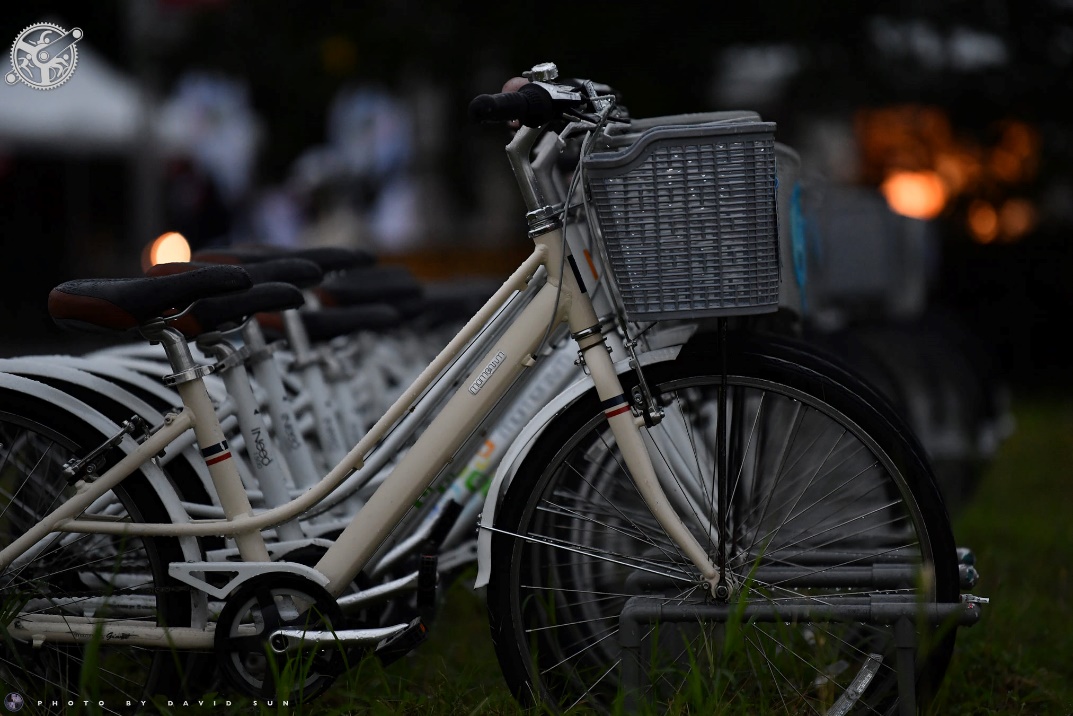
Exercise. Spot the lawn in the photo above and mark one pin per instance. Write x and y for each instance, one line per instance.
(1019, 658)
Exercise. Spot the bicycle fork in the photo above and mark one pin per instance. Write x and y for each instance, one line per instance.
(627, 429)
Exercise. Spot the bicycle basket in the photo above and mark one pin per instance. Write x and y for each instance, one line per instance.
(688, 217)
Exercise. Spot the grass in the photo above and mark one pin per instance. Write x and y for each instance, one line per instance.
(1019, 658)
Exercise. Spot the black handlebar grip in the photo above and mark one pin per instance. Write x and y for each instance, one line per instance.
(532, 105)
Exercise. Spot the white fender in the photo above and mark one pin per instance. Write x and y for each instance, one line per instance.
(519, 449)
(105, 378)
(139, 349)
(66, 371)
(157, 369)
(107, 428)
(109, 369)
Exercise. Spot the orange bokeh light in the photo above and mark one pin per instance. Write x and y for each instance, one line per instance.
(1005, 165)
(925, 167)
(169, 247)
(1017, 217)
(919, 195)
(983, 221)
(1021, 139)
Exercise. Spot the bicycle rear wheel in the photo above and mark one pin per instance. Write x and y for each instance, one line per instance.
(68, 577)
(830, 504)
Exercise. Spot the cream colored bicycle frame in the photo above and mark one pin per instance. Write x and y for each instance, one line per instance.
(559, 299)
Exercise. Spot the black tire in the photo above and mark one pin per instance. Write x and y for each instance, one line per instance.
(819, 472)
(108, 576)
(951, 393)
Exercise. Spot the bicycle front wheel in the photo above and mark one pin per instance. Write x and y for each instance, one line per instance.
(829, 505)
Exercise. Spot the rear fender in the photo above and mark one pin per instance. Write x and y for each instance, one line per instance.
(107, 428)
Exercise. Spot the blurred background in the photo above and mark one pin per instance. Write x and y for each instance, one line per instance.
(292, 123)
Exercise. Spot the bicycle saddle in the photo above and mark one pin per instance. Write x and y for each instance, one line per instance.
(374, 284)
(324, 324)
(123, 304)
(302, 273)
(223, 313)
(457, 300)
(329, 258)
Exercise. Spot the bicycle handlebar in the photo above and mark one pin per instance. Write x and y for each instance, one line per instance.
(536, 105)
(532, 105)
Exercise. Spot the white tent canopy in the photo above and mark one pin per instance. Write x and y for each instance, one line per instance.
(97, 110)
(100, 110)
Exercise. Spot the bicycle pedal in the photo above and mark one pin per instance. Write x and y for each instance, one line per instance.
(395, 647)
(427, 580)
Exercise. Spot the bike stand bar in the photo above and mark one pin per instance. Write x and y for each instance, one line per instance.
(284, 640)
(379, 593)
(635, 616)
(902, 611)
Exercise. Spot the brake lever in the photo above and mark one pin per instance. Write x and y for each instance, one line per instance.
(561, 93)
(581, 125)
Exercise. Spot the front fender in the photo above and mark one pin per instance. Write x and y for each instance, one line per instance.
(519, 449)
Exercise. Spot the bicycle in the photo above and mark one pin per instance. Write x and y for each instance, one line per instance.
(645, 416)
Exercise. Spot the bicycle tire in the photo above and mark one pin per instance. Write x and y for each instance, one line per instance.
(127, 575)
(951, 395)
(555, 617)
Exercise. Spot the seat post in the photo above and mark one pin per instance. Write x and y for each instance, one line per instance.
(177, 349)
(187, 380)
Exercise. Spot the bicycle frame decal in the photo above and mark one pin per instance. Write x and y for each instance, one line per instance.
(615, 406)
(487, 373)
(216, 453)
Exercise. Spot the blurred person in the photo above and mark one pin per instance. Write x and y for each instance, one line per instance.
(194, 205)
(276, 217)
(359, 185)
(213, 141)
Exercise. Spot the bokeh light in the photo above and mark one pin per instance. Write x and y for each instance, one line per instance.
(925, 166)
(919, 195)
(983, 221)
(169, 247)
(1017, 217)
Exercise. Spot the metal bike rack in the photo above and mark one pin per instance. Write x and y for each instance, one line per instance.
(902, 611)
